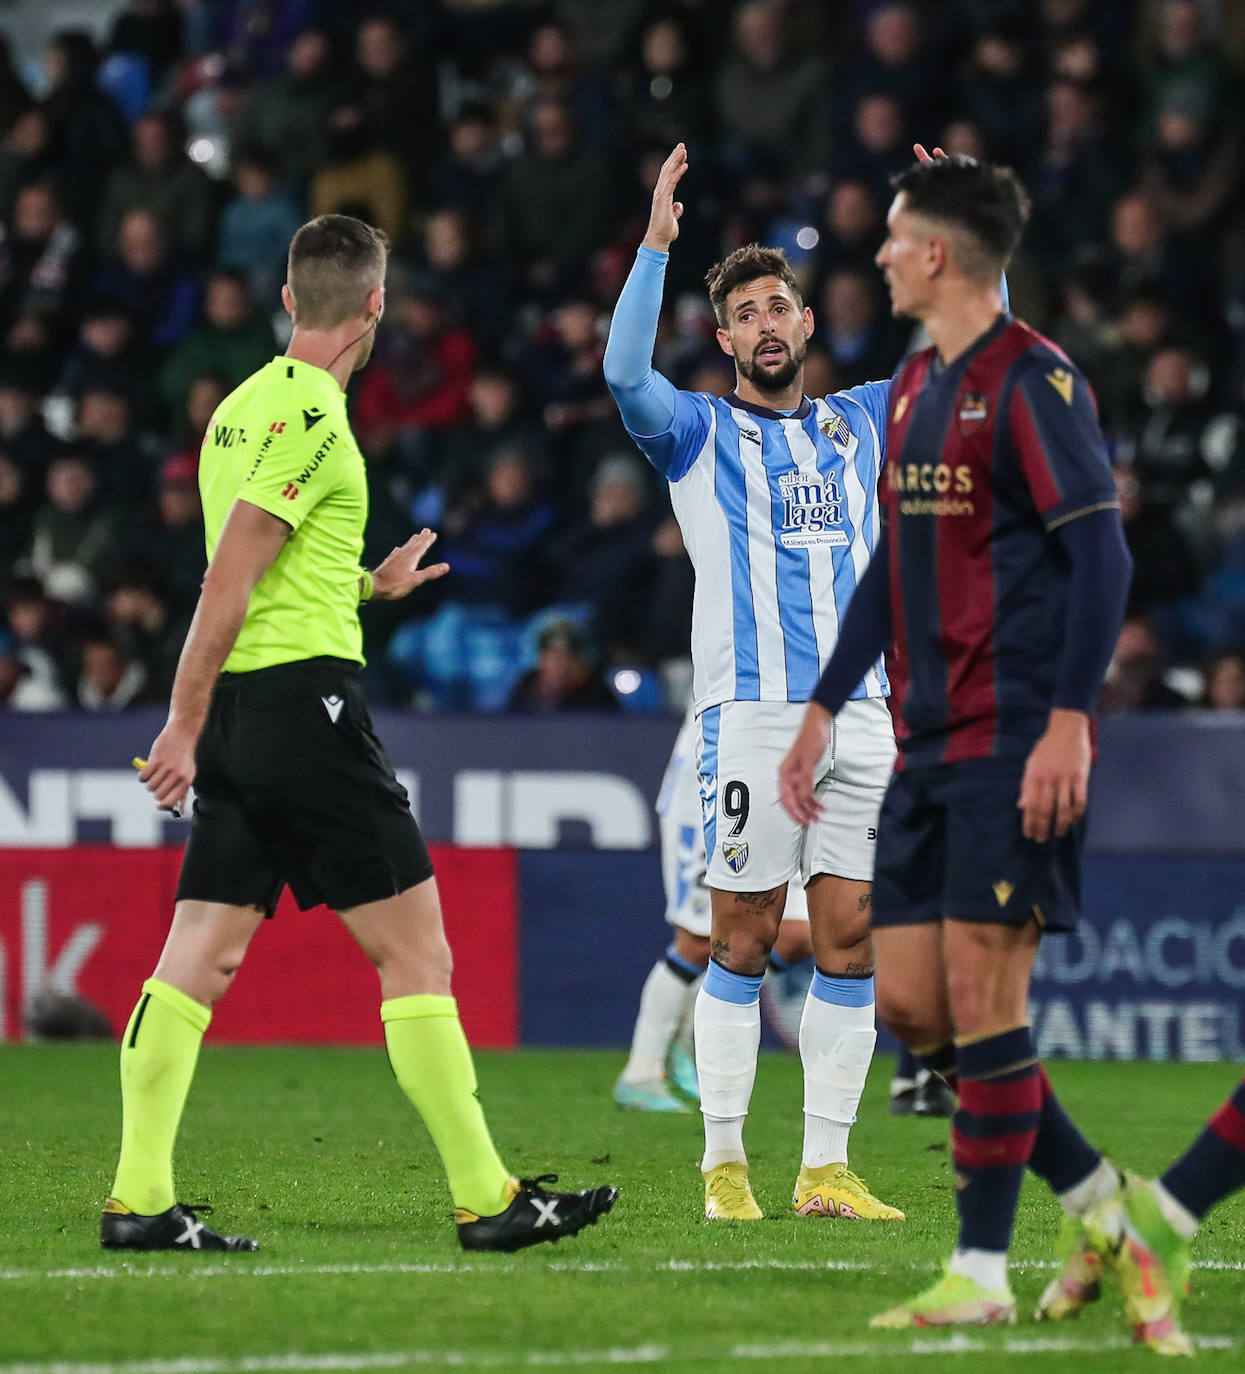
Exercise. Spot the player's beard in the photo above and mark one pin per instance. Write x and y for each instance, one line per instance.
(780, 378)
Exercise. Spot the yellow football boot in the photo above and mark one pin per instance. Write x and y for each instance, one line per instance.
(728, 1195)
(954, 1300)
(834, 1191)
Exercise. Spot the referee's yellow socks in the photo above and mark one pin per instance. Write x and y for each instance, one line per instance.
(432, 1063)
(158, 1056)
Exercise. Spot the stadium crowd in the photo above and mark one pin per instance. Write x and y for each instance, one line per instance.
(149, 186)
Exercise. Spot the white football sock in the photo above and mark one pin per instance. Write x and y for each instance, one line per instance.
(727, 1038)
(987, 1267)
(836, 1047)
(1097, 1186)
(664, 1002)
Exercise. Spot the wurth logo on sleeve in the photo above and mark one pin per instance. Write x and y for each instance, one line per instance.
(289, 491)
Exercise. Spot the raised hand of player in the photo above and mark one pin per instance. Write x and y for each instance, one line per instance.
(170, 766)
(663, 220)
(1056, 777)
(797, 770)
(400, 573)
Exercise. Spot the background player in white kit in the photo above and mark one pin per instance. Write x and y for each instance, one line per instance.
(776, 499)
(661, 1044)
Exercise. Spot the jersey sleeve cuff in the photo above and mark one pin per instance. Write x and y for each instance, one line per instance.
(274, 505)
(1067, 511)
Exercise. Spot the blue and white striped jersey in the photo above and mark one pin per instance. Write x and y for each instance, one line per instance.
(780, 516)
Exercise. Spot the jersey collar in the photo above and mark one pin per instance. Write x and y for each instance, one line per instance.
(764, 413)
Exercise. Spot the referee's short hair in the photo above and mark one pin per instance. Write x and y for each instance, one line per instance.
(985, 201)
(335, 262)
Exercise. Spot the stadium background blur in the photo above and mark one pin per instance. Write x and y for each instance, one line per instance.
(155, 160)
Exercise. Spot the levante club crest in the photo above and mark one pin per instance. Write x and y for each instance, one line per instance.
(736, 854)
(974, 409)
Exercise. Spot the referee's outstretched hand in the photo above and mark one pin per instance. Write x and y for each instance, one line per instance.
(797, 770)
(1056, 778)
(400, 573)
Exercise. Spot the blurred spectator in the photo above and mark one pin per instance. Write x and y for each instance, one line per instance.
(770, 99)
(75, 533)
(1165, 441)
(1164, 567)
(22, 430)
(284, 116)
(257, 226)
(554, 205)
(1193, 168)
(233, 341)
(1135, 678)
(107, 353)
(664, 98)
(878, 145)
(469, 165)
(395, 86)
(25, 156)
(1187, 60)
(357, 174)
(563, 678)
(14, 97)
(40, 269)
(162, 179)
(89, 137)
(999, 95)
(16, 507)
(23, 685)
(853, 226)
(43, 629)
(896, 61)
(474, 293)
(163, 295)
(854, 328)
(142, 624)
(668, 621)
(152, 30)
(562, 368)
(604, 557)
(496, 543)
(1149, 260)
(420, 373)
(494, 426)
(172, 540)
(122, 456)
(110, 679)
(553, 70)
(1225, 681)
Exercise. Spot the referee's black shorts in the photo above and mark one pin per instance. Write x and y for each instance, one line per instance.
(293, 786)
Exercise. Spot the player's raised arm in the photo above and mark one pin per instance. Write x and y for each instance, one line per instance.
(646, 400)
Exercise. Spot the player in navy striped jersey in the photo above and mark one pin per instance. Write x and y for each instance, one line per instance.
(776, 496)
(1000, 582)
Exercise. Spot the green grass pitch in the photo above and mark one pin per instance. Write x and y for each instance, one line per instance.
(316, 1154)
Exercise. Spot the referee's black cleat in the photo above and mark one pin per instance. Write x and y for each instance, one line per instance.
(534, 1215)
(176, 1229)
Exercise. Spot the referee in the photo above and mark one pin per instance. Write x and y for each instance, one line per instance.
(268, 720)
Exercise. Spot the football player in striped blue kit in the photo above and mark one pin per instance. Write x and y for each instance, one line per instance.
(776, 497)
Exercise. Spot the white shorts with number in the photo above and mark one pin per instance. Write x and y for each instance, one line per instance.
(752, 844)
(681, 827)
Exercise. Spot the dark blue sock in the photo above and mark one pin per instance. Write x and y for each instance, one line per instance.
(939, 1059)
(992, 1134)
(1061, 1154)
(1214, 1165)
(905, 1064)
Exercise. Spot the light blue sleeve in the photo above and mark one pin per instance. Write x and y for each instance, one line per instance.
(668, 425)
(1006, 294)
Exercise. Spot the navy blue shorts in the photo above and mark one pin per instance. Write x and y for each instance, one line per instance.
(950, 846)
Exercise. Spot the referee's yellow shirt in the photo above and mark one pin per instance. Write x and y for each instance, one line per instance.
(282, 442)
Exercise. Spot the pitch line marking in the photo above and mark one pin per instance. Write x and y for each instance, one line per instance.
(243, 1270)
(956, 1344)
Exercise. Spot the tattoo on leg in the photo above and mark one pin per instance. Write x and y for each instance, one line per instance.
(762, 901)
(858, 971)
(864, 900)
(722, 952)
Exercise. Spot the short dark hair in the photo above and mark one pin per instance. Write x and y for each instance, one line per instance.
(746, 264)
(335, 262)
(985, 200)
